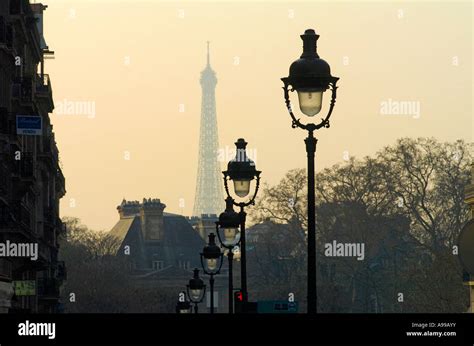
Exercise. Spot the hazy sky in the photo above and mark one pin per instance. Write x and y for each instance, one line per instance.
(138, 63)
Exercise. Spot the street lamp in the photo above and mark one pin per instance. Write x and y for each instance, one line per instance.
(227, 229)
(196, 290)
(241, 170)
(310, 76)
(211, 262)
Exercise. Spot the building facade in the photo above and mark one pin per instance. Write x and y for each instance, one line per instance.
(31, 180)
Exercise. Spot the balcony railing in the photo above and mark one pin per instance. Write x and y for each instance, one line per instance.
(44, 91)
(43, 84)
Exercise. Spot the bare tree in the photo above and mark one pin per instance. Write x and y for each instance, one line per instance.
(100, 282)
(406, 204)
(426, 180)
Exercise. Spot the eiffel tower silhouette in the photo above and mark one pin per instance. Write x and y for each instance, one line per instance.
(209, 198)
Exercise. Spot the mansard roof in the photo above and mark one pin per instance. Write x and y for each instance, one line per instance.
(179, 242)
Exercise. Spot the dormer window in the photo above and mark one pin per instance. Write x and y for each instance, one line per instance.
(186, 265)
(158, 265)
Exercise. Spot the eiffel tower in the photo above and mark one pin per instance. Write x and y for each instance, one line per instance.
(209, 198)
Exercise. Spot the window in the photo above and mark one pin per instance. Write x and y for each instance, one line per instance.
(185, 265)
(158, 265)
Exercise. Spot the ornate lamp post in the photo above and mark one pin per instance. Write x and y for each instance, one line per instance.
(211, 261)
(241, 170)
(196, 290)
(228, 225)
(310, 76)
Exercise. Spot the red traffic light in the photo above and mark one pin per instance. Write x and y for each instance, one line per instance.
(238, 296)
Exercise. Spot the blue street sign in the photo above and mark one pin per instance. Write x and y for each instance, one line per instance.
(277, 307)
(29, 125)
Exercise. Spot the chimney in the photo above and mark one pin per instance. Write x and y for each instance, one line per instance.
(151, 214)
(128, 208)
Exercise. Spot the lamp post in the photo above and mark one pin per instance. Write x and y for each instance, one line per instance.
(196, 290)
(310, 76)
(228, 224)
(211, 262)
(241, 170)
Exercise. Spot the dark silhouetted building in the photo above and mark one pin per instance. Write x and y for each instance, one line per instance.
(31, 180)
(154, 240)
(162, 248)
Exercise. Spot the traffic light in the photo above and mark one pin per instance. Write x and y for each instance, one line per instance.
(238, 301)
(240, 307)
(238, 296)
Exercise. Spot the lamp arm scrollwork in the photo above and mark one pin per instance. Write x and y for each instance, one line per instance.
(257, 185)
(325, 122)
(226, 186)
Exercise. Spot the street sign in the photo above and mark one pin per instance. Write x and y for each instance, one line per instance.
(31, 125)
(24, 288)
(466, 247)
(277, 307)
